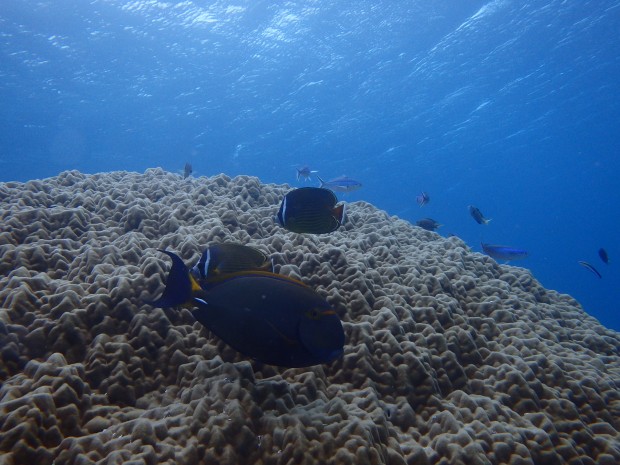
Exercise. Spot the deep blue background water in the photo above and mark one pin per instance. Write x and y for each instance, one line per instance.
(508, 105)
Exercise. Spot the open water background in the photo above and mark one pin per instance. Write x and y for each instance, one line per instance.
(513, 106)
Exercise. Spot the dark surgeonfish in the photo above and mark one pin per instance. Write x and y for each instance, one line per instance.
(503, 252)
(221, 259)
(591, 268)
(268, 317)
(310, 210)
(478, 216)
(422, 199)
(305, 172)
(429, 224)
(603, 254)
(340, 184)
(187, 171)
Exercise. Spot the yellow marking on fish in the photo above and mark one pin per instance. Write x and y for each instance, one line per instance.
(195, 286)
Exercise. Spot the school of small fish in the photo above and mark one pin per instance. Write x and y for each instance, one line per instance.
(234, 291)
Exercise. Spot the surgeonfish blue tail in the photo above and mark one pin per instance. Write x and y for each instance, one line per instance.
(179, 285)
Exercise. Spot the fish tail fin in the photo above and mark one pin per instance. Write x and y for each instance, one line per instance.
(487, 220)
(340, 213)
(179, 285)
(320, 180)
(298, 173)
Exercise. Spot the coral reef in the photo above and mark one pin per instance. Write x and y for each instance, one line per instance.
(449, 358)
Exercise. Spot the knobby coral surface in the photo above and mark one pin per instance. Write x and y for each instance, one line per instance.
(450, 358)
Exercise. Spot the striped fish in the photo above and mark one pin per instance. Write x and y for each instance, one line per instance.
(310, 210)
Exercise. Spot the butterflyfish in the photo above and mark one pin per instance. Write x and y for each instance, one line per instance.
(310, 210)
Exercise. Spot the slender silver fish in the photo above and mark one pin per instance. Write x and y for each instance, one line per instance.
(340, 184)
(591, 268)
(503, 252)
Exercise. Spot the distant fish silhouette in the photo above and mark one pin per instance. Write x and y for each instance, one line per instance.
(603, 254)
(187, 171)
(305, 172)
(478, 216)
(429, 224)
(591, 268)
(340, 184)
(503, 252)
(422, 199)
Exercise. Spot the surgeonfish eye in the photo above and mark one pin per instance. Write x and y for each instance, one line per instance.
(317, 313)
(314, 314)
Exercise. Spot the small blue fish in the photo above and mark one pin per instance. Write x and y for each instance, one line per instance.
(429, 224)
(591, 268)
(477, 215)
(305, 172)
(603, 254)
(340, 184)
(271, 318)
(503, 252)
(423, 199)
(187, 171)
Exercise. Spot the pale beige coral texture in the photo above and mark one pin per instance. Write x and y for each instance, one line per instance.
(449, 358)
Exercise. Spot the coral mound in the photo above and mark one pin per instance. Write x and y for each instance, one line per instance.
(450, 358)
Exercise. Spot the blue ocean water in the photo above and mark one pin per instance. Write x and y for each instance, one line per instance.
(511, 106)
